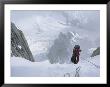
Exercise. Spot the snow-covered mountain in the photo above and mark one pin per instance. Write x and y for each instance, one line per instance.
(51, 36)
(46, 24)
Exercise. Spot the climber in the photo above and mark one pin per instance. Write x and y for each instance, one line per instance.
(75, 55)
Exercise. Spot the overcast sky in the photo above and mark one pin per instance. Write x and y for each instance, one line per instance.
(48, 21)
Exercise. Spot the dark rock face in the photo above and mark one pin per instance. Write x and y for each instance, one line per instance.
(19, 45)
(96, 52)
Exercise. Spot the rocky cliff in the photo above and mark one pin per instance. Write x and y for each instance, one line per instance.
(19, 45)
(96, 52)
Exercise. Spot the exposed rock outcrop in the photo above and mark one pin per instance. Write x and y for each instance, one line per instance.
(96, 52)
(19, 45)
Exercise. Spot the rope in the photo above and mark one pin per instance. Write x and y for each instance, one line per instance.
(97, 66)
(76, 74)
(77, 71)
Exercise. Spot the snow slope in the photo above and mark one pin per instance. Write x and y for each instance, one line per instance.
(23, 68)
(41, 28)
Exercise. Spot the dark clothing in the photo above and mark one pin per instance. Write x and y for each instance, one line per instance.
(76, 59)
(76, 52)
(75, 56)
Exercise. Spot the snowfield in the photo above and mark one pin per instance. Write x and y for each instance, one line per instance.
(51, 36)
(21, 67)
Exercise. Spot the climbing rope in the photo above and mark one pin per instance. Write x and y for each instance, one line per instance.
(77, 71)
(97, 66)
(72, 73)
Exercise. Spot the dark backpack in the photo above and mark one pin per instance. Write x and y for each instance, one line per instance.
(73, 59)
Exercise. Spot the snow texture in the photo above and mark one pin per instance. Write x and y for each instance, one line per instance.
(51, 36)
(24, 68)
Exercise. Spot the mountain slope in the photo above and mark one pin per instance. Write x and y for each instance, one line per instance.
(24, 68)
(19, 45)
(96, 52)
